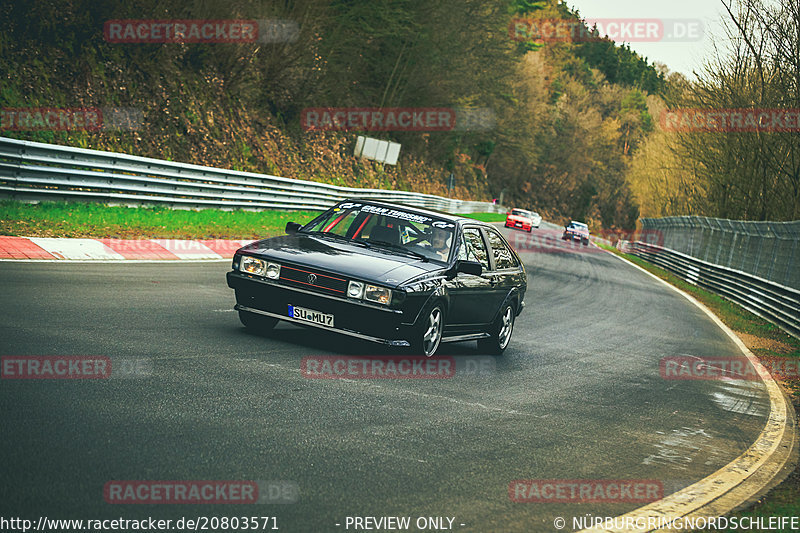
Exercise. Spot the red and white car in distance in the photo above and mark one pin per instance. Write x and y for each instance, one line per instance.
(523, 219)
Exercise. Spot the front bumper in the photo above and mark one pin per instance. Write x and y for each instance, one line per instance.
(517, 224)
(364, 321)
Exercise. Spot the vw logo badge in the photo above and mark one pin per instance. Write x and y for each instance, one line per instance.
(312, 278)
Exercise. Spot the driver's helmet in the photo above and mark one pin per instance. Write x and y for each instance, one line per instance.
(439, 238)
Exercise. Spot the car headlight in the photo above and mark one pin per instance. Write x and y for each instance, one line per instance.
(273, 271)
(252, 265)
(355, 289)
(379, 295)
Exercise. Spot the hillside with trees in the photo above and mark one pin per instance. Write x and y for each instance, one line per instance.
(568, 118)
(744, 173)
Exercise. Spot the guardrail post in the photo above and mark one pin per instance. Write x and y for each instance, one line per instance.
(732, 247)
(758, 254)
(775, 242)
(744, 255)
(790, 264)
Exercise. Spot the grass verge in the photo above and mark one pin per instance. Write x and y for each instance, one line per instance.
(62, 219)
(766, 341)
(486, 217)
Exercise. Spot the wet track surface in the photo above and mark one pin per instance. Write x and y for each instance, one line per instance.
(577, 395)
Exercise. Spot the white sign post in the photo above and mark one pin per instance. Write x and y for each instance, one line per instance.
(381, 151)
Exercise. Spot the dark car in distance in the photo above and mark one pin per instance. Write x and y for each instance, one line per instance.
(387, 273)
(576, 231)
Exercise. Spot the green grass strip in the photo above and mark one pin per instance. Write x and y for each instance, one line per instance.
(74, 219)
(486, 217)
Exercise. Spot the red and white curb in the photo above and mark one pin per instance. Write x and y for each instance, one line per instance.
(46, 248)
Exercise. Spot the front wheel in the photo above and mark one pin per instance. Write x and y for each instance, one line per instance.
(257, 323)
(429, 332)
(501, 332)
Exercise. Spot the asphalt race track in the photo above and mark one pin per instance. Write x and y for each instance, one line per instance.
(578, 395)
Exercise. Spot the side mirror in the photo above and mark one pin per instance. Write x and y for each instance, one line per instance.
(469, 267)
(292, 227)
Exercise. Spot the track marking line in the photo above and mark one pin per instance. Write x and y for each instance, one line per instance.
(691, 500)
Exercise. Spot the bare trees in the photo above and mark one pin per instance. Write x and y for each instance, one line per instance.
(743, 173)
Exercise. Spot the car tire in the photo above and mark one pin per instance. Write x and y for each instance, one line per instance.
(428, 335)
(530, 229)
(585, 242)
(257, 323)
(500, 335)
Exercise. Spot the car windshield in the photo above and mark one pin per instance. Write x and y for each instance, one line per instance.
(579, 225)
(392, 229)
(520, 213)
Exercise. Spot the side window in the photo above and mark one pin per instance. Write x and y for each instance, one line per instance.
(462, 249)
(476, 248)
(503, 258)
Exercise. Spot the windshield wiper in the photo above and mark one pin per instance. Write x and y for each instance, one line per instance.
(400, 248)
(335, 236)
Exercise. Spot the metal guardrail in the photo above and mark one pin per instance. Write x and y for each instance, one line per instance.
(768, 250)
(32, 171)
(772, 301)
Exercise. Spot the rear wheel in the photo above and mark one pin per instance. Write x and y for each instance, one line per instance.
(500, 336)
(257, 323)
(429, 332)
(585, 242)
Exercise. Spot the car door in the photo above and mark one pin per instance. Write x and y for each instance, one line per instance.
(468, 311)
(506, 270)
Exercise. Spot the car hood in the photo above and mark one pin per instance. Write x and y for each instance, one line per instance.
(348, 260)
(580, 231)
(517, 217)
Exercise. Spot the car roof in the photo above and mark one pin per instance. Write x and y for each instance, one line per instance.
(421, 210)
(575, 222)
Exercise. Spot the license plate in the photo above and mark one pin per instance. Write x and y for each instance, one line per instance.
(309, 315)
(518, 224)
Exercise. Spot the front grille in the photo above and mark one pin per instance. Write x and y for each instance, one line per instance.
(313, 280)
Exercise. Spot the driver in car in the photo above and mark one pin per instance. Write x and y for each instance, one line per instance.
(439, 244)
